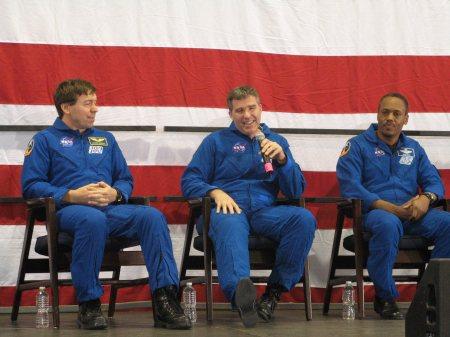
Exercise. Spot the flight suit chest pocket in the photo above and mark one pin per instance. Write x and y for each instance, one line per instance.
(65, 160)
(406, 163)
(98, 158)
(376, 164)
(235, 165)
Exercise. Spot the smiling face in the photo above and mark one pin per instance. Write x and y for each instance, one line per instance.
(81, 115)
(392, 116)
(246, 115)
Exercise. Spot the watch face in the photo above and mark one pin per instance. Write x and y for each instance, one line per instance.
(430, 196)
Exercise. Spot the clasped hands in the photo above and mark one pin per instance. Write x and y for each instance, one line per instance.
(96, 194)
(415, 208)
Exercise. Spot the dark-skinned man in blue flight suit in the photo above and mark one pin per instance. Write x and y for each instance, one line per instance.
(228, 167)
(84, 170)
(396, 182)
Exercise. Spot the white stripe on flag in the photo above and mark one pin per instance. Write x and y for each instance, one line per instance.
(384, 27)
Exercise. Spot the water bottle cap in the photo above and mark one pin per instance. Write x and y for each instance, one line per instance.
(41, 288)
(348, 283)
(189, 284)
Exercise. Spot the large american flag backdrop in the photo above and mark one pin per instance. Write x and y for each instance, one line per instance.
(317, 65)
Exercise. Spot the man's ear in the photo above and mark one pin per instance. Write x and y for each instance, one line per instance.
(65, 108)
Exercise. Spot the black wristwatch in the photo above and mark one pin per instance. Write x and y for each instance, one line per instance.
(431, 196)
(119, 197)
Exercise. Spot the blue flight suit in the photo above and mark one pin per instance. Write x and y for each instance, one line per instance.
(231, 161)
(58, 159)
(369, 170)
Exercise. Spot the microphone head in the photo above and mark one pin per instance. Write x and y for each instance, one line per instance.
(260, 136)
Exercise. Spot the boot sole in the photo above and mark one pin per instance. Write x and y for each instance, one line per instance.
(89, 327)
(244, 298)
(172, 326)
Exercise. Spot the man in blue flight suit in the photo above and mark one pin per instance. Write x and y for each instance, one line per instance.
(228, 167)
(396, 182)
(84, 170)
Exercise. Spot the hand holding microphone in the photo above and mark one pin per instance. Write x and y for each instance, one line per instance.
(270, 150)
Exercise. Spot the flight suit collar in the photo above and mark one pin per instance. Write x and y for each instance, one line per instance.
(60, 125)
(372, 137)
(264, 127)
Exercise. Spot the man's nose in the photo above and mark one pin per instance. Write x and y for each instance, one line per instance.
(390, 116)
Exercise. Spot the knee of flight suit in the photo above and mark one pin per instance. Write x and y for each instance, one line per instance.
(151, 218)
(88, 221)
(300, 221)
(385, 227)
(227, 227)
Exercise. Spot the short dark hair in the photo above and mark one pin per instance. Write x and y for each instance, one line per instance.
(69, 90)
(241, 93)
(396, 95)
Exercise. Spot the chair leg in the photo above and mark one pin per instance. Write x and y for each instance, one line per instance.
(334, 256)
(16, 304)
(359, 255)
(360, 291)
(207, 247)
(208, 281)
(307, 291)
(52, 239)
(113, 293)
(23, 261)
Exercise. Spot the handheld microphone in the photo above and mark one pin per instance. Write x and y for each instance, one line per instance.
(268, 168)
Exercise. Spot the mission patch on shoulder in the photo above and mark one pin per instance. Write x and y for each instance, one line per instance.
(97, 141)
(345, 149)
(29, 148)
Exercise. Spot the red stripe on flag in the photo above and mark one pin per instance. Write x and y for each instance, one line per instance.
(162, 181)
(142, 293)
(148, 76)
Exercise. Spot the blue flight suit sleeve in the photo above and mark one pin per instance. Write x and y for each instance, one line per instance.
(428, 177)
(290, 178)
(35, 171)
(121, 176)
(349, 173)
(195, 182)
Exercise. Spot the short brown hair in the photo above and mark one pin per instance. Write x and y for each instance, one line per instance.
(241, 93)
(68, 91)
(396, 95)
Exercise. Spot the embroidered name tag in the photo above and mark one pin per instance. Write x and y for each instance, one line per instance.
(95, 149)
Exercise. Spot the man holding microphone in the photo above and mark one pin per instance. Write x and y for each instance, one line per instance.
(232, 166)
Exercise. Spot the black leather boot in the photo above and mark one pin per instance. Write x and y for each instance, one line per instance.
(244, 299)
(387, 309)
(167, 311)
(90, 316)
(266, 304)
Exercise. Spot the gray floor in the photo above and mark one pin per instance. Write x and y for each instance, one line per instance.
(288, 322)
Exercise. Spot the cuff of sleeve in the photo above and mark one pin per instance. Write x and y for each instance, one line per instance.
(368, 201)
(286, 167)
(59, 195)
(209, 189)
(125, 195)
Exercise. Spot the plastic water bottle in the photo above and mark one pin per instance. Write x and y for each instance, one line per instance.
(42, 308)
(348, 302)
(190, 301)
